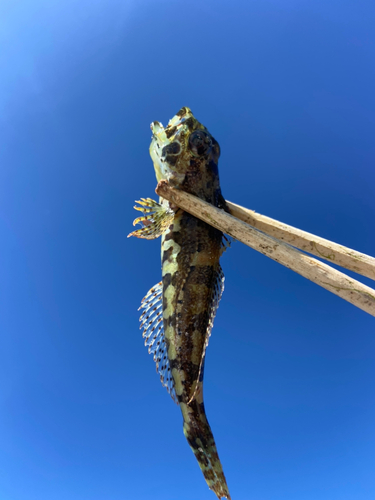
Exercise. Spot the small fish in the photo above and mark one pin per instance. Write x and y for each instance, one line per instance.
(178, 312)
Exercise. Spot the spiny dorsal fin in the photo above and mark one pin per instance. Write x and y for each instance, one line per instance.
(226, 243)
(153, 332)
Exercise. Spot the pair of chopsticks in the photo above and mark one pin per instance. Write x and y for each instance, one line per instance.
(280, 242)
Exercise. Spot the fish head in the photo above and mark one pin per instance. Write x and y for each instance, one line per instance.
(184, 147)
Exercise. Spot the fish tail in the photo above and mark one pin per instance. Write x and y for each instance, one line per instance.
(199, 436)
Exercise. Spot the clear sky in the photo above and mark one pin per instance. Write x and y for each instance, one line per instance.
(287, 89)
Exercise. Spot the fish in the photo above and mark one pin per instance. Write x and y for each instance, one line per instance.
(178, 312)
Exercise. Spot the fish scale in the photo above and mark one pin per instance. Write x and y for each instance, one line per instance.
(179, 312)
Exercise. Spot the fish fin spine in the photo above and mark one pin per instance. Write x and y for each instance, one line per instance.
(155, 219)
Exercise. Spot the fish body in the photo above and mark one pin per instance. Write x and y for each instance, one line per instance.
(179, 312)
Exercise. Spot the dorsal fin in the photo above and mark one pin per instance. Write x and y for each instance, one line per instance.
(153, 333)
(217, 292)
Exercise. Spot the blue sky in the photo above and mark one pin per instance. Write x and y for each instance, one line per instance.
(287, 89)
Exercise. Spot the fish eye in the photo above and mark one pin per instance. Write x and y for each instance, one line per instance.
(200, 142)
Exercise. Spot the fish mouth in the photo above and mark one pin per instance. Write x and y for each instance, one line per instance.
(172, 134)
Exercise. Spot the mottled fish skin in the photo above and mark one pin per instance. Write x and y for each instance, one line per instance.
(192, 280)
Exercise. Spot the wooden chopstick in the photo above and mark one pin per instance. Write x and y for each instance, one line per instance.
(323, 275)
(325, 249)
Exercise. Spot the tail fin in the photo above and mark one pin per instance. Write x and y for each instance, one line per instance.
(198, 433)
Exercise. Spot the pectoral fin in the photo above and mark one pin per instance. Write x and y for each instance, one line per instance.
(155, 221)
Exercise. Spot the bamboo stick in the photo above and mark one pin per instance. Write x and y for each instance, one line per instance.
(332, 280)
(325, 249)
